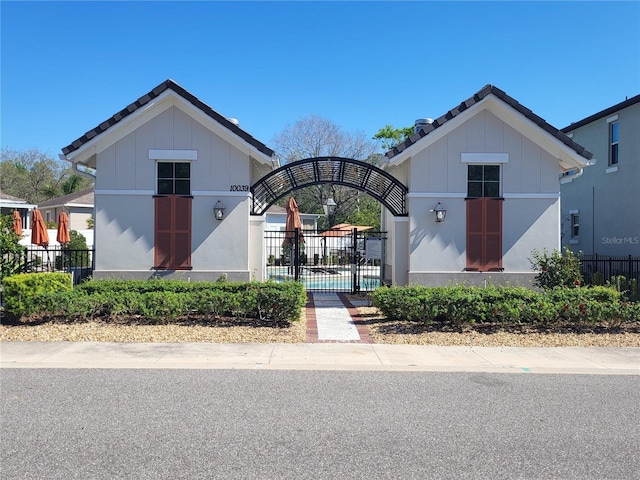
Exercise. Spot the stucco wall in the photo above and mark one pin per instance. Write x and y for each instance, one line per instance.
(606, 199)
(529, 185)
(124, 200)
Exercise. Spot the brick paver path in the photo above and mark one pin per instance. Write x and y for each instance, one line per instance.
(331, 318)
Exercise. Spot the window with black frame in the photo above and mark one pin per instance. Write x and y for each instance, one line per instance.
(483, 181)
(614, 138)
(174, 178)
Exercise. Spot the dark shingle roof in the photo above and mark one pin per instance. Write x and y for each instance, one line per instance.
(487, 90)
(604, 113)
(167, 84)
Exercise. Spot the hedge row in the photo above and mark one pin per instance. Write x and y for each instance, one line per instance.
(20, 291)
(508, 305)
(155, 300)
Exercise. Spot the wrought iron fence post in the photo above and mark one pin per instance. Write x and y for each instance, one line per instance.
(296, 255)
(355, 286)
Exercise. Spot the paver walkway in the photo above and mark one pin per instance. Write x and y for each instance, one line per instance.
(332, 318)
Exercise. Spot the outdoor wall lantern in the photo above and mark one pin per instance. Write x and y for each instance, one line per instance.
(218, 211)
(440, 212)
(330, 206)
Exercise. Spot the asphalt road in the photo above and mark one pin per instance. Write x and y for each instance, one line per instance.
(246, 424)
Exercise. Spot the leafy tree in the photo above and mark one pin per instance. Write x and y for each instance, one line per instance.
(73, 183)
(10, 248)
(36, 176)
(389, 137)
(367, 213)
(315, 136)
(77, 250)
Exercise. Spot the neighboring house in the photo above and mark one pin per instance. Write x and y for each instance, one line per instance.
(78, 206)
(494, 166)
(163, 164)
(276, 222)
(9, 203)
(601, 209)
(276, 219)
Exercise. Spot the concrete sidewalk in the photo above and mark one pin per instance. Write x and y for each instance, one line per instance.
(376, 357)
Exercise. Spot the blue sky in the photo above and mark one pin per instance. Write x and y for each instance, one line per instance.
(68, 66)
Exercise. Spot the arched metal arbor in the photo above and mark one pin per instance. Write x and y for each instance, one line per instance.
(342, 171)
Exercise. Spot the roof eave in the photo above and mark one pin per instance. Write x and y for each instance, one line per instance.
(83, 150)
(570, 154)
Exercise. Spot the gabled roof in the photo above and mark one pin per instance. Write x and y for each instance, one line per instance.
(83, 197)
(278, 210)
(11, 198)
(604, 113)
(478, 97)
(9, 201)
(145, 99)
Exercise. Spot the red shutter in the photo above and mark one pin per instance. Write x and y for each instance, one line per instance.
(484, 234)
(493, 234)
(474, 234)
(172, 233)
(182, 233)
(162, 236)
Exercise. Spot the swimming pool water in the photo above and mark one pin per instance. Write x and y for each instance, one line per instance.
(337, 278)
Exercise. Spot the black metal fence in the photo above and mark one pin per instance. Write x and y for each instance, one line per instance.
(350, 261)
(599, 269)
(53, 259)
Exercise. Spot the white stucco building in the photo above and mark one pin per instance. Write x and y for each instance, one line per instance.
(495, 167)
(167, 160)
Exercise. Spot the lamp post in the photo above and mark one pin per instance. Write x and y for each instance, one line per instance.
(329, 209)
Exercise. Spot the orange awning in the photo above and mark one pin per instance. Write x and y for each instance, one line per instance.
(63, 229)
(17, 222)
(343, 229)
(349, 228)
(39, 234)
(293, 222)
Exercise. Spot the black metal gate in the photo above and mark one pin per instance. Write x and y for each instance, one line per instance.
(331, 261)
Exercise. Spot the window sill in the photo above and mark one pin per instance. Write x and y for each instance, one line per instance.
(612, 169)
(574, 241)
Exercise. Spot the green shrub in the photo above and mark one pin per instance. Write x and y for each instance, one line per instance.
(21, 291)
(556, 269)
(12, 255)
(507, 305)
(164, 300)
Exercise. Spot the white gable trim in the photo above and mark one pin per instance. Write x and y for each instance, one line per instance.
(124, 127)
(436, 195)
(568, 158)
(221, 131)
(186, 155)
(490, 158)
(437, 134)
(167, 99)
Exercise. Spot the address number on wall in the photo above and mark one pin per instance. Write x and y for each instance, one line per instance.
(239, 188)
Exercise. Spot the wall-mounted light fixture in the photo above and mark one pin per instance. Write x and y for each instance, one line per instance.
(440, 212)
(218, 210)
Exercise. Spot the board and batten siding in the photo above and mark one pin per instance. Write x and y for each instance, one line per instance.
(529, 184)
(127, 183)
